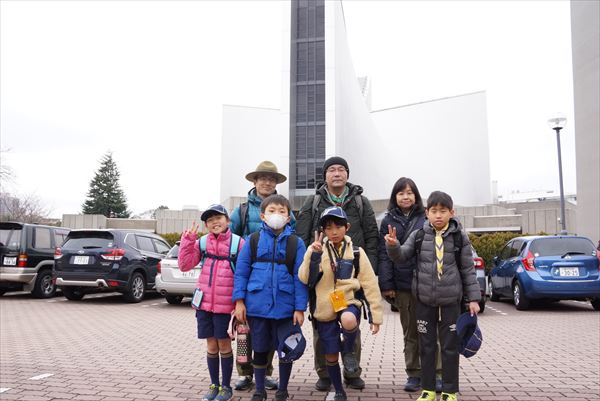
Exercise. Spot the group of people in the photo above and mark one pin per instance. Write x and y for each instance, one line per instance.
(262, 267)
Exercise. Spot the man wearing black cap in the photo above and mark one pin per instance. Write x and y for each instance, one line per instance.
(337, 191)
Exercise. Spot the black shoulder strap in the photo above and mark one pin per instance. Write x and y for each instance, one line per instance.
(356, 261)
(243, 217)
(314, 212)
(253, 246)
(291, 247)
(458, 245)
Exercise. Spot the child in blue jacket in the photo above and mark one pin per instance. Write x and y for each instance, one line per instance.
(267, 291)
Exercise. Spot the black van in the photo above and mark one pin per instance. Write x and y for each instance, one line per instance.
(27, 257)
(109, 260)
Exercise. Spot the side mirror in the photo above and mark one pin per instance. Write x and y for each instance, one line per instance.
(495, 260)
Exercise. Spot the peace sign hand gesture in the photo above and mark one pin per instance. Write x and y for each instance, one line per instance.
(317, 246)
(193, 230)
(390, 237)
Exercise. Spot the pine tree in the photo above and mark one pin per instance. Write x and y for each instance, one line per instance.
(105, 195)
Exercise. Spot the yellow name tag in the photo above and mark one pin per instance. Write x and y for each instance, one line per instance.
(338, 300)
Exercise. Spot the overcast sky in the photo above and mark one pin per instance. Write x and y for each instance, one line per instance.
(147, 80)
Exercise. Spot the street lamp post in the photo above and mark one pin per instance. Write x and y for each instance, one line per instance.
(557, 123)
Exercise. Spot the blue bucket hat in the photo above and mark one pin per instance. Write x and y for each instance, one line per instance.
(333, 211)
(212, 210)
(291, 342)
(469, 335)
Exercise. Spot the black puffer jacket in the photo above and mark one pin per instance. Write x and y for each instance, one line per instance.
(397, 276)
(454, 282)
(363, 228)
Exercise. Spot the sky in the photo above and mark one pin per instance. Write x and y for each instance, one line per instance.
(147, 80)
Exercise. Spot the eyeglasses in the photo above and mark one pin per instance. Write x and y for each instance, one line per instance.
(267, 178)
(336, 169)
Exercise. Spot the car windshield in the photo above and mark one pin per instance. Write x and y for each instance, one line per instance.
(560, 246)
(174, 252)
(89, 240)
(10, 237)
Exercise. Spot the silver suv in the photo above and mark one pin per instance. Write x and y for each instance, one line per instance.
(27, 257)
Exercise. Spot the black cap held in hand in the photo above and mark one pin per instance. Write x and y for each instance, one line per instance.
(333, 161)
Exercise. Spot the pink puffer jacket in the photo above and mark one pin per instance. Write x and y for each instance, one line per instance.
(216, 277)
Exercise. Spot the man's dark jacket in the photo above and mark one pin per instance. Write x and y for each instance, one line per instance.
(363, 229)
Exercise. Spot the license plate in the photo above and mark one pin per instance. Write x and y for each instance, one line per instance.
(568, 272)
(81, 260)
(10, 261)
(189, 274)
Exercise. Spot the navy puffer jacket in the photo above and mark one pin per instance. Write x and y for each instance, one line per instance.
(397, 276)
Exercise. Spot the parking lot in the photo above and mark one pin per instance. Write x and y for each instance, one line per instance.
(102, 348)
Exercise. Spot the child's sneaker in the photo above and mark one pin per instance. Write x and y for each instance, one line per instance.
(225, 394)
(259, 396)
(282, 395)
(340, 396)
(213, 391)
(427, 395)
(449, 397)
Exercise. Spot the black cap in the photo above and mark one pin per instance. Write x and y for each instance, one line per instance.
(335, 160)
(212, 210)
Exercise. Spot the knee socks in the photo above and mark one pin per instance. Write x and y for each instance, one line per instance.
(349, 339)
(227, 368)
(212, 360)
(333, 369)
(285, 371)
(259, 363)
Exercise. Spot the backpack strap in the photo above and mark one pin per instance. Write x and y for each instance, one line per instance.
(234, 245)
(290, 257)
(315, 211)
(458, 245)
(243, 217)
(360, 293)
(203, 249)
(359, 205)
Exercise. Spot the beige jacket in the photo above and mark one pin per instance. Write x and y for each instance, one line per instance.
(366, 280)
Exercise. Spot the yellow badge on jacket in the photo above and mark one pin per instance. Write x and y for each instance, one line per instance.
(338, 300)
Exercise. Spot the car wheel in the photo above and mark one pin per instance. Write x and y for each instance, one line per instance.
(174, 299)
(44, 287)
(73, 293)
(596, 303)
(493, 294)
(136, 288)
(519, 298)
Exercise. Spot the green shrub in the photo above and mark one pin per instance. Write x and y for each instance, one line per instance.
(489, 245)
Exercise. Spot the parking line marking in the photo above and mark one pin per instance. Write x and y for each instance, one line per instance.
(42, 376)
(4, 389)
(145, 306)
(155, 304)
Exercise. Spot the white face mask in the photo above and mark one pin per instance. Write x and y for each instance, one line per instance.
(275, 220)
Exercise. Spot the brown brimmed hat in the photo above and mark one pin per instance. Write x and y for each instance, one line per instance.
(266, 168)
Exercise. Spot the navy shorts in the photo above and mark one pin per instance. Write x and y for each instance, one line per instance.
(212, 324)
(263, 333)
(329, 332)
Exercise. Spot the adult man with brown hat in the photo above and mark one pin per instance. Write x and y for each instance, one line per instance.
(245, 219)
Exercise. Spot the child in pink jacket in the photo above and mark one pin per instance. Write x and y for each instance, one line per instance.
(216, 284)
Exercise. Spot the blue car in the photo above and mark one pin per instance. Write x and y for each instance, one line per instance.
(547, 268)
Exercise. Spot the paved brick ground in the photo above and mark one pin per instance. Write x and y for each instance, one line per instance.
(104, 349)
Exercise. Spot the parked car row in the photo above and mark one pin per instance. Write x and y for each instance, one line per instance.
(40, 258)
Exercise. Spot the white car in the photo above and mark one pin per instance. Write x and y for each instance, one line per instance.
(172, 282)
